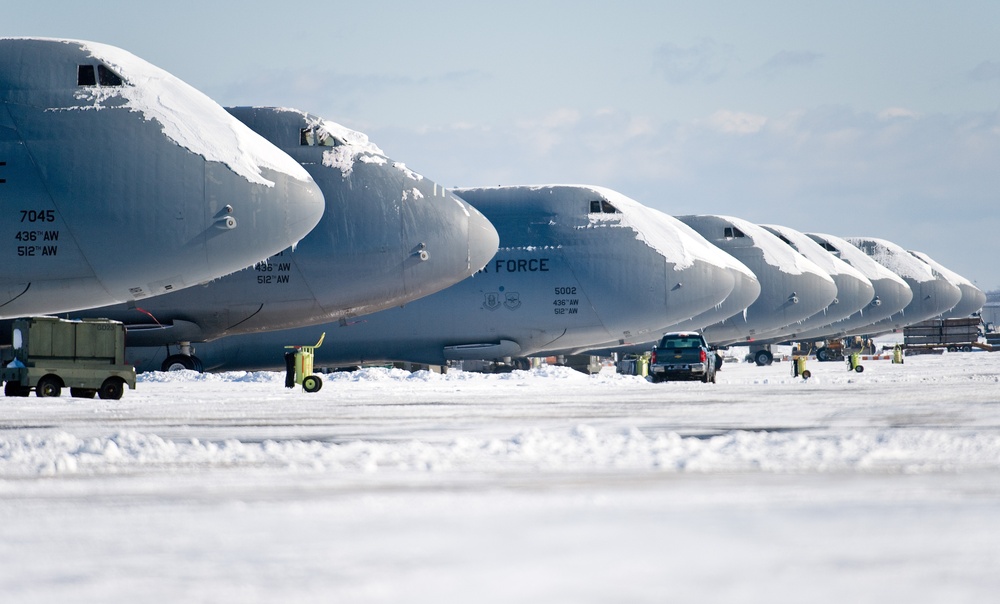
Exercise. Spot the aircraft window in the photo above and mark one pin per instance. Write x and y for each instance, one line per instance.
(313, 137)
(602, 206)
(829, 248)
(108, 77)
(85, 76)
(732, 232)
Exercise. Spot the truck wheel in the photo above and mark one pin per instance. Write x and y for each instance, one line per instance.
(112, 388)
(656, 379)
(48, 385)
(312, 383)
(822, 355)
(177, 362)
(82, 392)
(762, 357)
(704, 378)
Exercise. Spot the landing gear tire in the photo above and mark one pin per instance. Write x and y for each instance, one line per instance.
(82, 392)
(112, 389)
(48, 386)
(312, 383)
(763, 357)
(178, 362)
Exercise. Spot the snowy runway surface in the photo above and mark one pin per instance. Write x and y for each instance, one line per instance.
(548, 485)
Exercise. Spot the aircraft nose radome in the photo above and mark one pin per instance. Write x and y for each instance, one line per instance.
(853, 294)
(893, 294)
(303, 204)
(483, 238)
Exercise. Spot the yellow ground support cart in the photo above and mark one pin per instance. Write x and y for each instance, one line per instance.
(299, 367)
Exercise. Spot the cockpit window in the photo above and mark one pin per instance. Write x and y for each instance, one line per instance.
(733, 232)
(785, 239)
(108, 77)
(87, 76)
(318, 137)
(602, 206)
(826, 246)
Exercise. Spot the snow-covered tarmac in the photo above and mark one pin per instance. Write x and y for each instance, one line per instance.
(542, 486)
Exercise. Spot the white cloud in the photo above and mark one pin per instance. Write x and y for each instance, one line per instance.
(892, 113)
(736, 122)
(704, 61)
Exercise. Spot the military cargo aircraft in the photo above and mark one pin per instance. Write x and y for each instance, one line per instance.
(577, 266)
(973, 298)
(792, 287)
(388, 237)
(854, 290)
(119, 182)
(933, 295)
(892, 294)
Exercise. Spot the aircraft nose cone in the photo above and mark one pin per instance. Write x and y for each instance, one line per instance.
(853, 294)
(483, 238)
(304, 206)
(263, 219)
(450, 240)
(892, 295)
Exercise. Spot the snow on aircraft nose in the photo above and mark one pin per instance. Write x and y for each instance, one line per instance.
(973, 298)
(634, 268)
(854, 290)
(698, 276)
(932, 295)
(746, 289)
(389, 235)
(792, 287)
(892, 294)
(152, 185)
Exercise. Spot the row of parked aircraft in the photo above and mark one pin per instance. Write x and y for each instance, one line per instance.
(122, 210)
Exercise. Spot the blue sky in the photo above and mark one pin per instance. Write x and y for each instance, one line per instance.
(842, 118)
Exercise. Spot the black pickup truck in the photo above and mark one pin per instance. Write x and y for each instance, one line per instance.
(682, 355)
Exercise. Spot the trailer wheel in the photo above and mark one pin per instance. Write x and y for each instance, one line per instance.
(48, 385)
(859, 368)
(312, 383)
(112, 388)
(82, 392)
(763, 357)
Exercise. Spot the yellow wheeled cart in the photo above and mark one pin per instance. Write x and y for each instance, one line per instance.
(299, 367)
